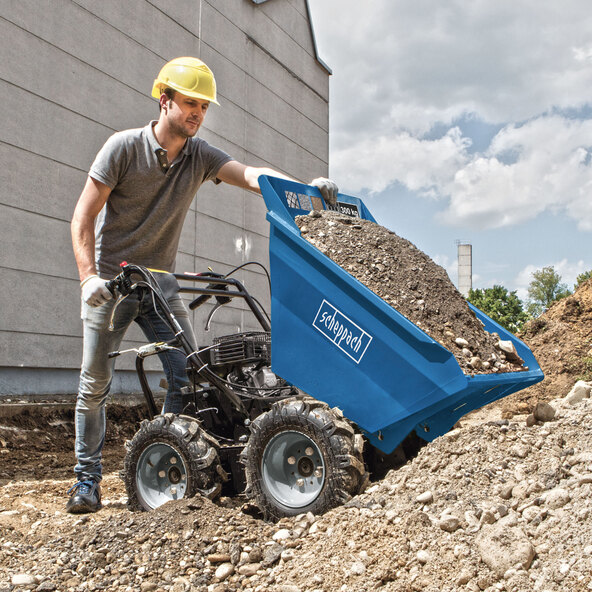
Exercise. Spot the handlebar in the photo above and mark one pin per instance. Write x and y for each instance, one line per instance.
(215, 287)
(218, 286)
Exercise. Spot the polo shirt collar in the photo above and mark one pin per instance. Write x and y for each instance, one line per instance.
(153, 142)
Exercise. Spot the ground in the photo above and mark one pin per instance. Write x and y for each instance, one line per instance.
(493, 505)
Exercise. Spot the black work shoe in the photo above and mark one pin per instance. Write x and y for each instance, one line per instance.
(85, 497)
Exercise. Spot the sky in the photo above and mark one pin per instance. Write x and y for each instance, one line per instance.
(467, 120)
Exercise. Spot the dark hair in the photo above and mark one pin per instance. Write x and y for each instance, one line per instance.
(170, 93)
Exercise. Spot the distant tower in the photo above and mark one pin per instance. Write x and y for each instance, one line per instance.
(465, 267)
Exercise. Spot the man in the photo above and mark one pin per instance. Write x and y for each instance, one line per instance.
(132, 208)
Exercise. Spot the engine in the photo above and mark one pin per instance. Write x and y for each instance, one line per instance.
(245, 358)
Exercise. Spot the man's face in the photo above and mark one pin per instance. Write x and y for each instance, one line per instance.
(185, 114)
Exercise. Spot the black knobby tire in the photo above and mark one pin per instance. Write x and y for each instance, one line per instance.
(171, 457)
(302, 456)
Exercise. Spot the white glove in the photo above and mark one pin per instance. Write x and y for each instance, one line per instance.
(327, 188)
(94, 291)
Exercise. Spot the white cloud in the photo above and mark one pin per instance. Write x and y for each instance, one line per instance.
(402, 68)
(404, 65)
(545, 164)
(423, 166)
(551, 171)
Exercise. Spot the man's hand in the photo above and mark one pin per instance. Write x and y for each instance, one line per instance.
(327, 188)
(94, 291)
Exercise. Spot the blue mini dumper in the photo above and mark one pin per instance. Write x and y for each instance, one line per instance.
(339, 342)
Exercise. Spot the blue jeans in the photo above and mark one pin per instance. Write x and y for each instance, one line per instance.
(97, 369)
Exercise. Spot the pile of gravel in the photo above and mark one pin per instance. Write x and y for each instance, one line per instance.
(496, 506)
(408, 280)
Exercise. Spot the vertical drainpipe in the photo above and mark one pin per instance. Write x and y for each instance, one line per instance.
(199, 31)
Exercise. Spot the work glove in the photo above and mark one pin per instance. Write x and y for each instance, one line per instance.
(94, 291)
(327, 188)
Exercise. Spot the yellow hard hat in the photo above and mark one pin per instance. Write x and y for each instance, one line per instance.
(189, 76)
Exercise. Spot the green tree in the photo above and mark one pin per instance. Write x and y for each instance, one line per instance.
(544, 289)
(583, 277)
(500, 305)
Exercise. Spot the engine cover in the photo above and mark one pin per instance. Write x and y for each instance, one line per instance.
(242, 348)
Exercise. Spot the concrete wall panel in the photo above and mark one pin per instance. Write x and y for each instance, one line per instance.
(75, 30)
(80, 70)
(57, 76)
(168, 34)
(45, 129)
(34, 183)
(39, 244)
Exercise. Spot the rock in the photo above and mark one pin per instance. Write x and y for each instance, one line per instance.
(544, 412)
(509, 351)
(556, 498)
(357, 568)
(581, 457)
(23, 580)
(235, 553)
(249, 569)
(181, 584)
(461, 342)
(255, 555)
(288, 588)
(423, 557)
(465, 576)
(425, 498)
(502, 546)
(224, 571)
(148, 586)
(520, 450)
(272, 554)
(218, 558)
(46, 586)
(281, 535)
(520, 491)
(476, 362)
(472, 521)
(581, 390)
(449, 522)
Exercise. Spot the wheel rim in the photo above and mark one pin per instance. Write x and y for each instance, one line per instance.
(161, 475)
(292, 469)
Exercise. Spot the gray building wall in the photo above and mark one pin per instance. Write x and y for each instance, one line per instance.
(75, 71)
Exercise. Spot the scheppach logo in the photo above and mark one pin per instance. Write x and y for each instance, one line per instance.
(349, 337)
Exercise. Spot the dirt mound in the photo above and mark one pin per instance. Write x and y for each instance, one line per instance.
(408, 280)
(47, 435)
(561, 341)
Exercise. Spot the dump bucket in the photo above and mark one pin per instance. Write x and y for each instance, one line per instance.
(339, 342)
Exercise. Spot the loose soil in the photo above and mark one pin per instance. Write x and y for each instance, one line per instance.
(408, 280)
(561, 339)
(493, 505)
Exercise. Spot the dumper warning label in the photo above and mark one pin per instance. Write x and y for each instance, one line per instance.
(346, 208)
(351, 339)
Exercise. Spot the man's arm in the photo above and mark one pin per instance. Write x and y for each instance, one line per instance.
(91, 201)
(236, 173)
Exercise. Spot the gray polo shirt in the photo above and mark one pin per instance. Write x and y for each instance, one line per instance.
(142, 220)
